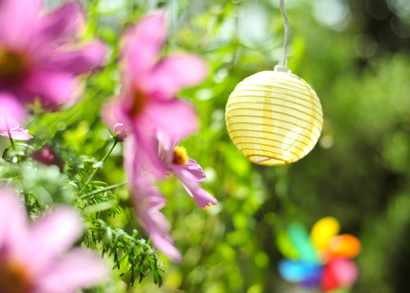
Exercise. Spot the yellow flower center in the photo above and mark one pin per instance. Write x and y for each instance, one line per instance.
(12, 65)
(14, 277)
(180, 156)
(138, 103)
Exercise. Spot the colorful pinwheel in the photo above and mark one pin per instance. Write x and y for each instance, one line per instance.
(322, 259)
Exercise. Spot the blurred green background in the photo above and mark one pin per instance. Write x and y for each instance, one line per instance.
(355, 54)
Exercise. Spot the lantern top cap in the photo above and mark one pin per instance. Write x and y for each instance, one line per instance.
(280, 68)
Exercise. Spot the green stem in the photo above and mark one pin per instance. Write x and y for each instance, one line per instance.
(99, 165)
(11, 139)
(102, 190)
(6, 150)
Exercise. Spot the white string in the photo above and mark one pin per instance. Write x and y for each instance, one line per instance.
(283, 58)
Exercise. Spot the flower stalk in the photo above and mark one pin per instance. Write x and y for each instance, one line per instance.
(103, 190)
(99, 164)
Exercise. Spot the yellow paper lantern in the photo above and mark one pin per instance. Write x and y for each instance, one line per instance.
(274, 117)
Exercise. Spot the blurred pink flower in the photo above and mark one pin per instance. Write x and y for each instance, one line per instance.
(11, 112)
(148, 200)
(35, 258)
(147, 100)
(39, 54)
(187, 170)
(48, 155)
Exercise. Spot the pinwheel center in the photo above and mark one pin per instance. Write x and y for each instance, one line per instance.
(12, 65)
(14, 277)
(139, 102)
(180, 156)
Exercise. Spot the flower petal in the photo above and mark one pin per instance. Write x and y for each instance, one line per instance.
(147, 156)
(141, 147)
(167, 147)
(148, 199)
(175, 118)
(11, 106)
(80, 61)
(77, 269)
(111, 114)
(53, 88)
(63, 22)
(194, 189)
(11, 113)
(17, 134)
(196, 170)
(141, 154)
(54, 234)
(18, 21)
(13, 225)
(131, 166)
(157, 226)
(145, 194)
(142, 44)
(201, 196)
(176, 72)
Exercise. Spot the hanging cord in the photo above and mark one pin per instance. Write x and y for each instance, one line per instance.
(283, 58)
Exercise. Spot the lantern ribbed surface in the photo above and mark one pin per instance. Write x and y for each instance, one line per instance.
(274, 118)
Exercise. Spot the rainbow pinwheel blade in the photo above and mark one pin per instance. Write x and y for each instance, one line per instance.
(344, 245)
(345, 271)
(298, 272)
(301, 242)
(323, 231)
(285, 245)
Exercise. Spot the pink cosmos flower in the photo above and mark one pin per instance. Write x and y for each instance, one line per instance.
(147, 100)
(10, 115)
(187, 170)
(36, 258)
(148, 201)
(39, 54)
